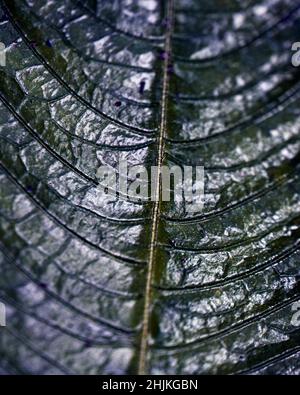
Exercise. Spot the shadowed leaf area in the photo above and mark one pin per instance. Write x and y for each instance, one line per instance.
(97, 285)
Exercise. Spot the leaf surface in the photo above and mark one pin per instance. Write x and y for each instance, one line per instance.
(96, 285)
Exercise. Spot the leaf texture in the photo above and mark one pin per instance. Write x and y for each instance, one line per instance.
(97, 286)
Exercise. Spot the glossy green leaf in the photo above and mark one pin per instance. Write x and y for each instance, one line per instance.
(96, 286)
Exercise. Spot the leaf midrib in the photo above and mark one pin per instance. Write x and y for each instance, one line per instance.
(157, 195)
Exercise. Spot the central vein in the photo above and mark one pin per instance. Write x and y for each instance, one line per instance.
(157, 193)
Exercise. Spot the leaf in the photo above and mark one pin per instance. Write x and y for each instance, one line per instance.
(95, 286)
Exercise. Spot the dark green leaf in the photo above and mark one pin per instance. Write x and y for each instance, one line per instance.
(95, 286)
